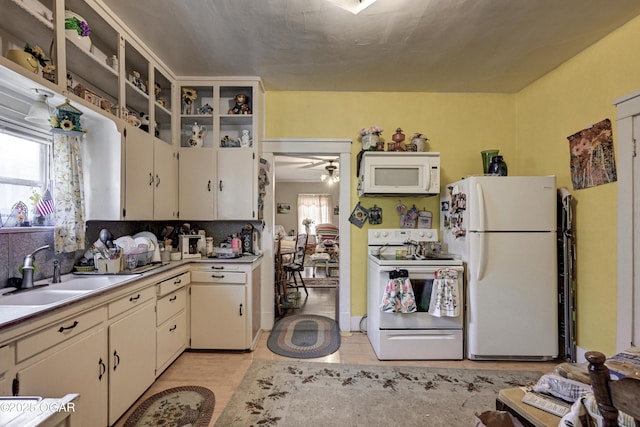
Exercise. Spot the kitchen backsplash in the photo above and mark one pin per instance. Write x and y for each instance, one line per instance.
(15, 244)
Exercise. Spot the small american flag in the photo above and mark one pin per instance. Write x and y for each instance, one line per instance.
(45, 205)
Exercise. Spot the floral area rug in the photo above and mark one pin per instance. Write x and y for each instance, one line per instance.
(175, 407)
(275, 393)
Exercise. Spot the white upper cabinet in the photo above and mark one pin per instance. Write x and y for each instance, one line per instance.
(220, 126)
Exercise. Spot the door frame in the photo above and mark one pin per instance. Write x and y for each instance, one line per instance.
(628, 310)
(308, 146)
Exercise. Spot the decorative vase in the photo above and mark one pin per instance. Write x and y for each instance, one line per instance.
(83, 42)
(398, 138)
(487, 155)
(24, 59)
(369, 141)
(497, 166)
(420, 143)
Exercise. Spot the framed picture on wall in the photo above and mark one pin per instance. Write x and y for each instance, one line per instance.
(284, 208)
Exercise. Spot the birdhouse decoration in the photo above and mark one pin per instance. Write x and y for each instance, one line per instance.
(66, 118)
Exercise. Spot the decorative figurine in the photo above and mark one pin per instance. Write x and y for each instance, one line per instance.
(144, 124)
(245, 139)
(205, 109)
(66, 118)
(197, 135)
(241, 106)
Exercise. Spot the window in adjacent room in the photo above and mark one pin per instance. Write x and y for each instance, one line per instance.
(24, 166)
(318, 207)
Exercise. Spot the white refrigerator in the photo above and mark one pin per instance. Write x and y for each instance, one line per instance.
(504, 229)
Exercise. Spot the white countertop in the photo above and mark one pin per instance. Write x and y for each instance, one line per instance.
(11, 315)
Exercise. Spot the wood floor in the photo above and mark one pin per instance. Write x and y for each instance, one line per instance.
(222, 371)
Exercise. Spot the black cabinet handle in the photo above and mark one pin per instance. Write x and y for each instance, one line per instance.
(220, 185)
(66, 328)
(103, 369)
(134, 299)
(218, 276)
(150, 179)
(175, 297)
(173, 329)
(213, 267)
(241, 314)
(177, 281)
(116, 359)
(209, 186)
(157, 180)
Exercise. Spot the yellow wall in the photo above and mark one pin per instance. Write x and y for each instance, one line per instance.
(530, 128)
(572, 97)
(459, 126)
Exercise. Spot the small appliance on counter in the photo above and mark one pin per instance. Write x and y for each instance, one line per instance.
(191, 245)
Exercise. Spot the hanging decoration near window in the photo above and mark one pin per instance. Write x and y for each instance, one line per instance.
(66, 119)
(592, 156)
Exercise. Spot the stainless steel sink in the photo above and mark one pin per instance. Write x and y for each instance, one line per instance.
(40, 297)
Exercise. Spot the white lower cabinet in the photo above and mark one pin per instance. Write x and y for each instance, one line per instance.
(132, 349)
(219, 316)
(77, 366)
(171, 320)
(225, 306)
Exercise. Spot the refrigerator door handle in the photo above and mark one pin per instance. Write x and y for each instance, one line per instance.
(481, 221)
(482, 261)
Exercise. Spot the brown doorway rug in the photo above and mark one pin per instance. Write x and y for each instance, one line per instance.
(304, 336)
(179, 406)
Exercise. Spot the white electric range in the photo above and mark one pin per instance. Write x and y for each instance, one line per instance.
(419, 335)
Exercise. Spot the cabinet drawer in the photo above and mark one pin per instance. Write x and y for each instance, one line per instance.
(130, 301)
(171, 337)
(167, 286)
(219, 267)
(170, 305)
(218, 277)
(58, 333)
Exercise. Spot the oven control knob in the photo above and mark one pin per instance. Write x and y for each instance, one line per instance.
(385, 234)
(376, 234)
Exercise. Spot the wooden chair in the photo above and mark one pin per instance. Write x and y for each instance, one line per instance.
(613, 395)
(297, 264)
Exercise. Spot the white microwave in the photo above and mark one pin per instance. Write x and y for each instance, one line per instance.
(399, 173)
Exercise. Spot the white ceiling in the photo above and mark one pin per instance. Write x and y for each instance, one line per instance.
(466, 46)
(302, 168)
(393, 45)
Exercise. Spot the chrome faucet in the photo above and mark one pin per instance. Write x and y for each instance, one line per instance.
(27, 268)
(56, 271)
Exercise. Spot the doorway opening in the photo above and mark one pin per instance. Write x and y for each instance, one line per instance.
(307, 155)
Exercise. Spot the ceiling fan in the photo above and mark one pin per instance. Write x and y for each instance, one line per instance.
(331, 176)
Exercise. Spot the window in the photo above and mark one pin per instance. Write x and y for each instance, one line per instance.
(24, 166)
(314, 206)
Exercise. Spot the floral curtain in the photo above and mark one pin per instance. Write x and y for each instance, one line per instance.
(317, 207)
(68, 193)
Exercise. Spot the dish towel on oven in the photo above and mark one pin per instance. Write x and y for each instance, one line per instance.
(398, 296)
(444, 294)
